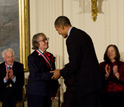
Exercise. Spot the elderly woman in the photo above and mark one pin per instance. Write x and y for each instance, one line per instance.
(113, 68)
(41, 89)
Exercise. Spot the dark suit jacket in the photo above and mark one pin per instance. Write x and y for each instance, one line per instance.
(39, 81)
(17, 87)
(82, 71)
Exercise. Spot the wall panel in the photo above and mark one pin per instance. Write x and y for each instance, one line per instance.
(43, 14)
(108, 28)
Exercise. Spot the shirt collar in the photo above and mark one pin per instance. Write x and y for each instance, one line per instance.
(69, 31)
(42, 51)
(8, 65)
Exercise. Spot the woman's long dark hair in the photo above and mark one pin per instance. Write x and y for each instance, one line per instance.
(117, 56)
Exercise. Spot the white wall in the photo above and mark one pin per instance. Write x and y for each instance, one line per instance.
(42, 16)
(108, 28)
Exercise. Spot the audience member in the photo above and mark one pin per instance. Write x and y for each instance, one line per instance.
(11, 79)
(113, 68)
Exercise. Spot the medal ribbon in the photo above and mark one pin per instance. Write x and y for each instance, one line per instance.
(47, 61)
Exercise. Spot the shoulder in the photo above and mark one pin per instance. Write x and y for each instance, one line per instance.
(103, 63)
(33, 54)
(2, 64)
(74, 29)
(121, 62)
(51, 56)
(50, 53)
(35, 57)
(79, 35)
(18, 63)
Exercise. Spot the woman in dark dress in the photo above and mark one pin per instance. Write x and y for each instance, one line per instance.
(113, 68)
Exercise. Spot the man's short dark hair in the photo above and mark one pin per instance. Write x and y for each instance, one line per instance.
(117, 56)
(62, 20)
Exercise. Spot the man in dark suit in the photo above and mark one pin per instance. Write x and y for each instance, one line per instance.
(11, 79)
(82, 74)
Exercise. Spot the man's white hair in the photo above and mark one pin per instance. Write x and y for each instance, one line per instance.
(6, 50)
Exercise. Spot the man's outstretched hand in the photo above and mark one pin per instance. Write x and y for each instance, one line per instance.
(56, 74)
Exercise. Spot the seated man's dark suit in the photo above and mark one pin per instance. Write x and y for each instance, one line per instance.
(10, 95)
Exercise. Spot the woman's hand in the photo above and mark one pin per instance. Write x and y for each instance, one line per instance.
(115, 71)
(107, 70)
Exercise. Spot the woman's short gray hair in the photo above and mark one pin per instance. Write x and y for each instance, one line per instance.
(6, 50)
(35, 42)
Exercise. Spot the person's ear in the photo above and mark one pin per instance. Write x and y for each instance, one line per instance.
(62, 27)
(3, 59)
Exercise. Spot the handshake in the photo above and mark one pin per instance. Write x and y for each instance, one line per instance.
(56, 74)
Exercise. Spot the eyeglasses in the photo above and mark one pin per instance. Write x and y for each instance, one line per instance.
(44, 40)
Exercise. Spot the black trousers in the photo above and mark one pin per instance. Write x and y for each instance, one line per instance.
(69, 97)
(89, 100)
(112, 100)
(9, 98)
(38, 101)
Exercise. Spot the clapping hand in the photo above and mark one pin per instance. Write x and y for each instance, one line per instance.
(107, 70)
(115, 71)
(7, 75)
(11, 76)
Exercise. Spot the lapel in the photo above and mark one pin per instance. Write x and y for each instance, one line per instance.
(40, 60)
(4, 67)
(40, 57)
(14, 67)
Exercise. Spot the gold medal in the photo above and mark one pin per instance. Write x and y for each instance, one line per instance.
(10, 85)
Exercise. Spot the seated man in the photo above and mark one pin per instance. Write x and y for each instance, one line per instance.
(11, 79)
